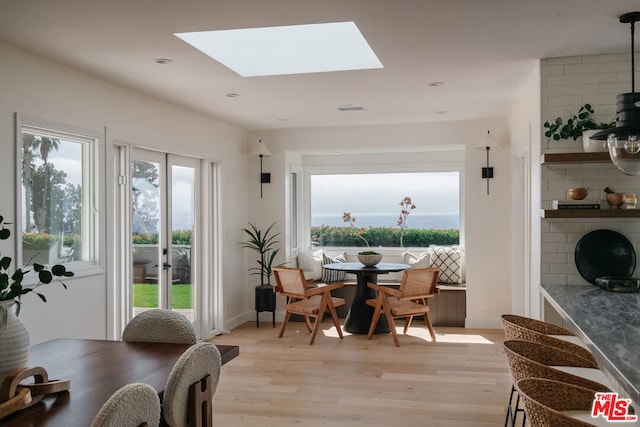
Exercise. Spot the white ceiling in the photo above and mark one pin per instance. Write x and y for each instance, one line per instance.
(480, 49)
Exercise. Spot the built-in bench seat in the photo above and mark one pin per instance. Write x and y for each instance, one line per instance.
(448, 307)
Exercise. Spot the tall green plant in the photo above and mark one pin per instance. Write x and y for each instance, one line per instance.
(264, 243)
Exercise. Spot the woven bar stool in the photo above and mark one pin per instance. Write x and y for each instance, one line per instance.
(527, 329)
(550, 403)
(534, 360)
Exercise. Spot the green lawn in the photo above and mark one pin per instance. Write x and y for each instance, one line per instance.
(146, 295)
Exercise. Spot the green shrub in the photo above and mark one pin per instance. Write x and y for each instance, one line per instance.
(382, 236)
(178, 237)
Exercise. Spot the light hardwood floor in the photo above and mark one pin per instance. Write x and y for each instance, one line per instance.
(462, 379)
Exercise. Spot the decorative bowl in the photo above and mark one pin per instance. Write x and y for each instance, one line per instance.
(370, 259)
(615, 200)
(618, 284)
(578, 193)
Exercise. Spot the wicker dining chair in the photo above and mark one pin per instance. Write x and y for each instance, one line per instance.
(133, 405)
(408, 301)
(160, 325)
(528, 329)
(550, 403)
(308, 302)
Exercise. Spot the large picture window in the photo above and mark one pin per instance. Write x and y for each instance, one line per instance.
(414, 209)
(57, 209)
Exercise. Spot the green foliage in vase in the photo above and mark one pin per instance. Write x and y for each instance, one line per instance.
(11, 287)
(576, 124)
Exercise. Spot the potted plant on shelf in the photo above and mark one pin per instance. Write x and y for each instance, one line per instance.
(14, 338)
(579, 125)
(264, 244)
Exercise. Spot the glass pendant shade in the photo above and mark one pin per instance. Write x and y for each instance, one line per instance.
(623, 141)
(625, 153)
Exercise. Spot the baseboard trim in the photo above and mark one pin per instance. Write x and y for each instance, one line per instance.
(482, 323)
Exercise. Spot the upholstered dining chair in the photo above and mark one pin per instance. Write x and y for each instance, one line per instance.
(192, 383)
(408, 301)
(133, 405)
(309, 302)
(160, 325)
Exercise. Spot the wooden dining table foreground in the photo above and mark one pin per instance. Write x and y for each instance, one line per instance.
(97, 369)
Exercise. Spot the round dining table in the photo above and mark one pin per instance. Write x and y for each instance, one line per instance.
(360, 314)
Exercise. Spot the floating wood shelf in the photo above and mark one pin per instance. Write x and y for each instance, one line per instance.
(563, 158)
(590, 213)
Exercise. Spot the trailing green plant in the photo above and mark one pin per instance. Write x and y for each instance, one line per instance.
(264, 243)
(575, 125)
(11, 287)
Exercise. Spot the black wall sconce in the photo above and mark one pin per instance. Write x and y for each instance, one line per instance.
(487, 144)
(262, 151)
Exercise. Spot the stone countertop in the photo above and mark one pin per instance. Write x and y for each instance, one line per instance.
(609, 323)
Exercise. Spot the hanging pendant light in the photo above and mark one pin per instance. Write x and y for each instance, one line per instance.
(624, 140)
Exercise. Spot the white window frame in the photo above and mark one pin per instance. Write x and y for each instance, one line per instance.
(305, 201)
(92, 185)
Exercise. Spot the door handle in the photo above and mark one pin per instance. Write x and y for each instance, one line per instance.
(166, 266)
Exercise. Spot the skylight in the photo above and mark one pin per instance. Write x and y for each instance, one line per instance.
(295, 49)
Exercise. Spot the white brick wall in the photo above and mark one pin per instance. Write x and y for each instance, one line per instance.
(566, 84)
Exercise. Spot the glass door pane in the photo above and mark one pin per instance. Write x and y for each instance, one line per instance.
(147, 201)
(183, 214)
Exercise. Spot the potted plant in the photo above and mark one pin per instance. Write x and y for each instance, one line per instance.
(576, 125)
(369, 258)
(264, 244)
(14, 338)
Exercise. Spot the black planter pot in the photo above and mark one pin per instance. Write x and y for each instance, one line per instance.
(265, 300)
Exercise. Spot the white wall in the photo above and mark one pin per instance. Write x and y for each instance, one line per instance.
(37, 87)
(567, 83)
(488, 217)
(524, 130)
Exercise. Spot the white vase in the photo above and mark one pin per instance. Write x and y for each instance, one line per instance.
(14, 340)
(591, 145)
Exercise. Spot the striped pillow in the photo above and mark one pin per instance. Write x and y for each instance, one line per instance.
(329, 276)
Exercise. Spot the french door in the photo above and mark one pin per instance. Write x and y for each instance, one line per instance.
(164, 200)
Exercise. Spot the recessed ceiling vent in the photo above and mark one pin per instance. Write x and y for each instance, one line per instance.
(351, 108)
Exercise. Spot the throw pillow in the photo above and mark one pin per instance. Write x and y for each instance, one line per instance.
(421, 260)
(449, 260)
(310, 261)
(329, 276)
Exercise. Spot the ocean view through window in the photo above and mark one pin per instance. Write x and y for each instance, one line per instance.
(374, 201)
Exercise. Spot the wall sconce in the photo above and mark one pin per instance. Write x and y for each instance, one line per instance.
(487, 144)
(262, 151)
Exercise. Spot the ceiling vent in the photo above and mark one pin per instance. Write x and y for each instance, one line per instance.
(351, 108)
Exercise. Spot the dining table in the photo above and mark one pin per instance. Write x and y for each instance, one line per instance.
(96, 369)
(360, 314)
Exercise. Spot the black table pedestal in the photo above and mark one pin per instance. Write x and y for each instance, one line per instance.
(359, 317)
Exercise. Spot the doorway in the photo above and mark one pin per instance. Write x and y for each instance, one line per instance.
(164, 204)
